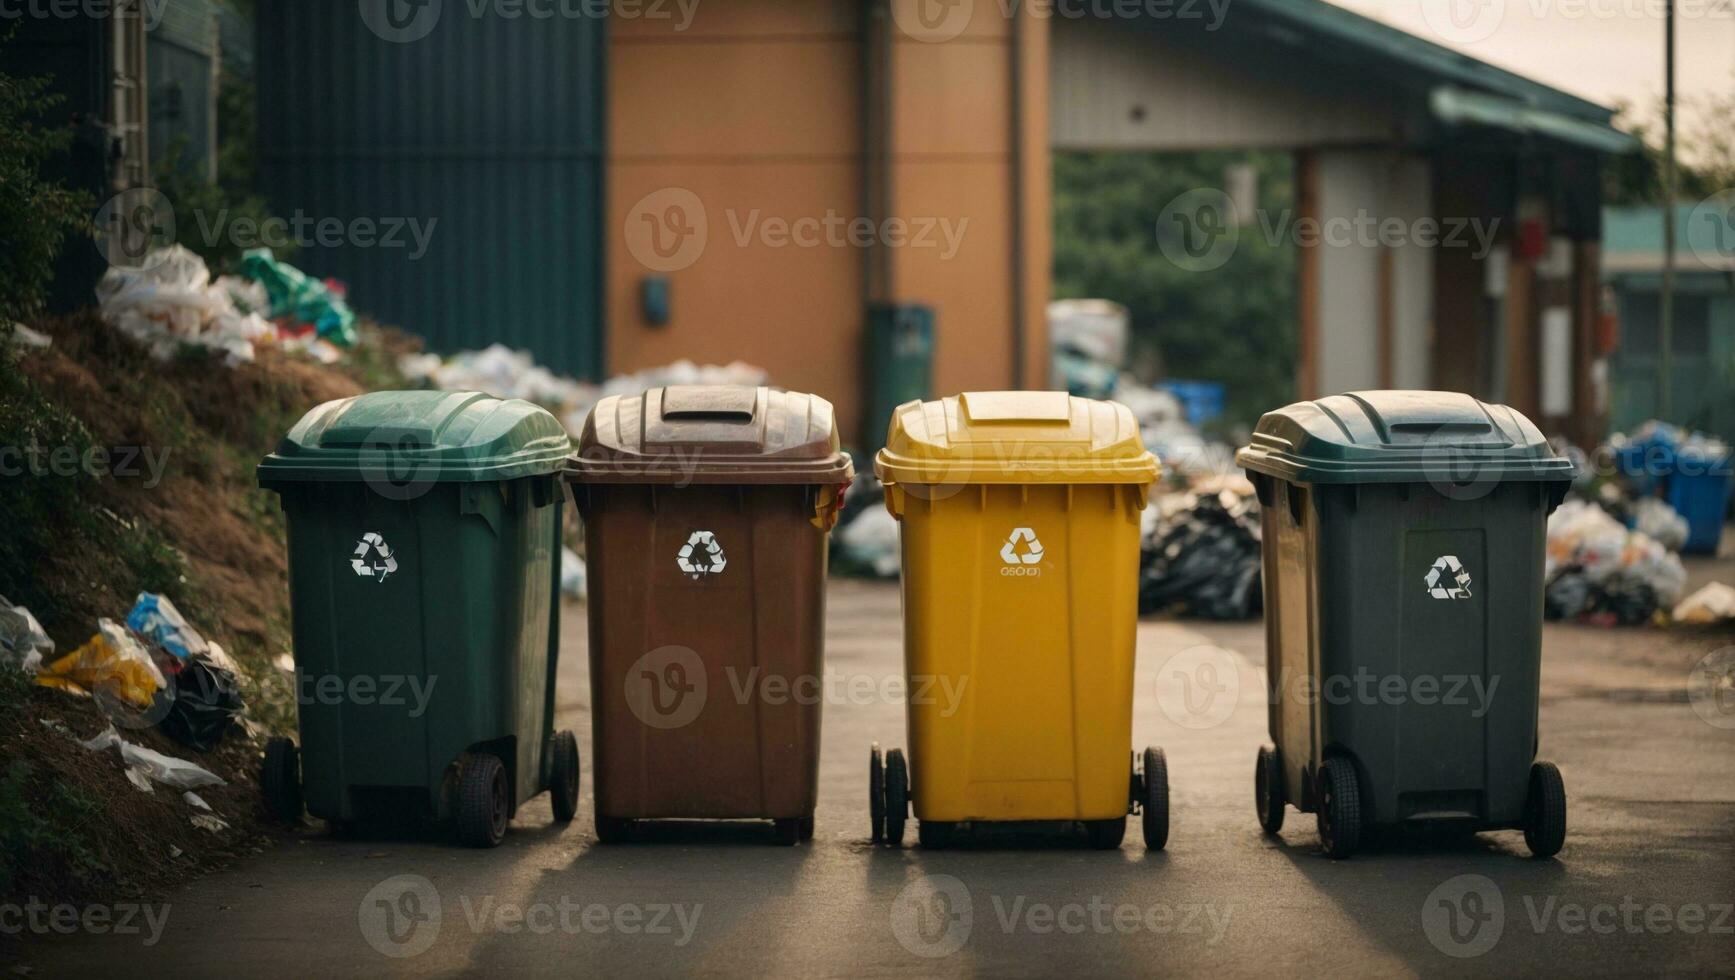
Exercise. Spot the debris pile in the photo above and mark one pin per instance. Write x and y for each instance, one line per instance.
(1201, 552)
(154, 670)
(1600, 571)
(170, 302)
(503, 372)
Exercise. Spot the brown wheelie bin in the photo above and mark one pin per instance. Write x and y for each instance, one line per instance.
(706, 512)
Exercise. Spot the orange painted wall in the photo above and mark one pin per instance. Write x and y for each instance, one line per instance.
(953, 133)
(753, 111)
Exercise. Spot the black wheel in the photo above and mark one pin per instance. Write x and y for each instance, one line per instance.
(877, 794)
(484, 801)
(280, 780)
(786, 831)
(1545, 811)
(1268, 789)
(807, 826)
(936, 834)
(1155, 803)
(563, 777)
(897, 797)
(613, 830)
(1339, 809)
(1106, 835)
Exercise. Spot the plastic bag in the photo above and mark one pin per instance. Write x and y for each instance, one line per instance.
(1656, 519)
(156, 619)
(572, 582)
(1201, 556)
(165, 769)
(113, 663)
(23, 643)
(296, 295)
(207, 702)
(170, 301)
(1711, 604)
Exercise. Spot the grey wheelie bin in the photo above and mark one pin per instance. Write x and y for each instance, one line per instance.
(1403, 557)
(424, 562)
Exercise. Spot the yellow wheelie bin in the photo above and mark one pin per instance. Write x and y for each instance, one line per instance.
(1019, 522)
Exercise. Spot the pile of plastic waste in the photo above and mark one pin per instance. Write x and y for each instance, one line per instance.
(1201, 552)
(306, 309)
(171, 302)
(506, 373)
(155, 669)
(1088, 341)
(1599, 570)
(866, 539)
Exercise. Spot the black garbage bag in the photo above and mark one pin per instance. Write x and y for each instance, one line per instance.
(1204, 561)
(1567, 596)
(207, 702)
(1628, 600)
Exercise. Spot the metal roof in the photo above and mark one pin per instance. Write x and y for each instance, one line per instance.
(1453, 88)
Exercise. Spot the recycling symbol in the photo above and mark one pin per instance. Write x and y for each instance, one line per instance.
(373, 558)
(701, 555)
(1448, 579)
(1032, 553)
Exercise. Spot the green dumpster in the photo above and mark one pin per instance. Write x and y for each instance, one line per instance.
(1404, 536)
(424, 544)
(899, 363)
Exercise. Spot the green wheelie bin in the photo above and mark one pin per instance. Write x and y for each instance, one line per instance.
(1404, 536)
(424, 544)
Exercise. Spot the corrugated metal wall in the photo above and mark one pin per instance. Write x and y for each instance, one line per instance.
(491, 127)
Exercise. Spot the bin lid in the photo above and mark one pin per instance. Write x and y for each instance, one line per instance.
(1014, 437)
(711, 434)
(1400, 437)
(421, 437)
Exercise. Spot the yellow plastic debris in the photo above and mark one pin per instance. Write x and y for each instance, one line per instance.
(113, 662)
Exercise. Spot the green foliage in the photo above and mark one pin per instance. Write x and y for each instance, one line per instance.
(202, 205)
(36, 214)
(1235, 323)
(36, 495)
(1704, 157)
(52, 502)
(42, 824)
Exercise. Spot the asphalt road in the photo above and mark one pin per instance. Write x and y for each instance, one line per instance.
(1643, 886)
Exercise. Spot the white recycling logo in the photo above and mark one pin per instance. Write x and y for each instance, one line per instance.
(1448, 579)
(373, 558)
(1032, 554)
(701, 555)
